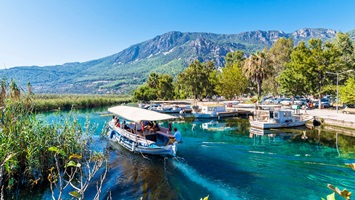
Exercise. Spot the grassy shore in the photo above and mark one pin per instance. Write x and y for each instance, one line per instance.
(46, 102)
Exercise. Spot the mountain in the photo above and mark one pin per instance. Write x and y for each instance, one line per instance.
(167, 53)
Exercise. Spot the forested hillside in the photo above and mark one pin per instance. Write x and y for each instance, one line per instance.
(168, 53)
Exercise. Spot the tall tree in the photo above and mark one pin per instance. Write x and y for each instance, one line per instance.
(195, 80)
(257, 68)
(231, 82)
(309, 66)
(236, 57)
(347, 52)
(347, 92)
(280, 55)
(165, 89)
(211, 74)
(145, 93)
(295, 72)
(157, 86)
(153, 80)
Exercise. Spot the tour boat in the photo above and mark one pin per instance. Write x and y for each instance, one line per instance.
(141, 141)
(274, 117)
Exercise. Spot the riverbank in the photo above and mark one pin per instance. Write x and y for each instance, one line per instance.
(47, 102)
(333, 118)
(328, 117)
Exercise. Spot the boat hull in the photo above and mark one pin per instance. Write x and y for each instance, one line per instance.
(268, 125)
(143, 146)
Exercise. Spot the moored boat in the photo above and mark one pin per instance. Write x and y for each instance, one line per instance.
(138, 140)
(213, 111)
(277, 118)
(168, 109)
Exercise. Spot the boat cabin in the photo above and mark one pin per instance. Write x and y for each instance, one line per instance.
(278, 116)
(213, 109)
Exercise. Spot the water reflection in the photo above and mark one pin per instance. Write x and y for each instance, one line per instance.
(344, 144)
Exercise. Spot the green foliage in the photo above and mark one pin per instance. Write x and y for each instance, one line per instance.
(306, 71)
(347, 92)
(196, 80)
(158, 86)
(32, 142)
(292, 83)
(145, 93)
(235, 58)
(346, 48)
(153, 80)
(27, 144)
(257, 68)
(280, 55)
(67, 102)
(165, 88)
(231, 81)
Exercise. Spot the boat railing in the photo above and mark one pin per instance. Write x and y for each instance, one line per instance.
(269, 107)
(139, 137)
(262, 116)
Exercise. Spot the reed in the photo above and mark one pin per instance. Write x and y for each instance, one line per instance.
(67, 102)
(27, 158)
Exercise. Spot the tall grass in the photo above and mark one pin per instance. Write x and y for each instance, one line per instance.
(67, 102)
(27, 143)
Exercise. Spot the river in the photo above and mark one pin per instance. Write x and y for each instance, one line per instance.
(224, 160)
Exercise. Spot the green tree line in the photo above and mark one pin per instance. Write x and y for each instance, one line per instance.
(308, 69)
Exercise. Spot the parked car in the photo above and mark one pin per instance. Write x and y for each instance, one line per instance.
(278, 100)
(286, 102)
(300, 102)
(350, 109)
(324, 103)
(268, 101)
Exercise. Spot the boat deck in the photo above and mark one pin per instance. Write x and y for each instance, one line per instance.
(139, 135)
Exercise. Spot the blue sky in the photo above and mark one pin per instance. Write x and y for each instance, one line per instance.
(48, 32)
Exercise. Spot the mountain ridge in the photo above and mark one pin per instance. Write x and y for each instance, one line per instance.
(169, 53)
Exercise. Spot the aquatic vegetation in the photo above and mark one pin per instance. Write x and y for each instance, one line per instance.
(44, 102)
(30, 148)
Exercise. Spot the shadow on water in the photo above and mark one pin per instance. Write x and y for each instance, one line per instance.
(133, 176)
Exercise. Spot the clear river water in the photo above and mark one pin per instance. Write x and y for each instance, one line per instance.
(226, 160)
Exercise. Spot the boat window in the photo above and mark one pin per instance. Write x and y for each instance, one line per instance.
(276, 115)
(271, 114)
(287, 114)
(211, 109)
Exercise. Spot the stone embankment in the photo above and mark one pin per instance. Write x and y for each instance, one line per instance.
(333, 118)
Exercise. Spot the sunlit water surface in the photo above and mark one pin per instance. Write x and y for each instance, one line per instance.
(225, 161)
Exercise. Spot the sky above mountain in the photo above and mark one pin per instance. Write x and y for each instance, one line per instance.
(42, 32)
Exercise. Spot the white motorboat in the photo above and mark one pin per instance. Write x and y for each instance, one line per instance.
(213, 111)
(168, 109)
(137, 140)
(277, 118)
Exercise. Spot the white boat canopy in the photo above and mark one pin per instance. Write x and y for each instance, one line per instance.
(138, 114)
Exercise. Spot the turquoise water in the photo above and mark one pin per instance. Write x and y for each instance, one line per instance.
(225, 161)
